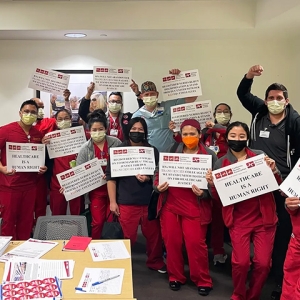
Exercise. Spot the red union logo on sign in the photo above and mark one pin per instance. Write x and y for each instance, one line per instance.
(10, 147)
(196, 159)
(43, 71)
(18, 147)
(115, 151)
(119, 151)
(182, 108)
(141, 150)
(98, 70)
(166, 158)
(120, 71)
(188, 75)
(171, 158)
(218, 175)
(60, 76)
(105, 70)
(250, 164)
(87, 167)
(198, 105)
(164, 79)
(125, 151)
(73, 131)
(38, 70)
(14, 147)
(102, 70)
(62, 177)
(46, 72)
(174, 109)
(72, 173)
(176, 158)
(34, 147)
(223, 174)
(68, 175)
(229, 172)
(173, 77)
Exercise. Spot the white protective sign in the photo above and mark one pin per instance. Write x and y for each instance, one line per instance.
(112, 79)
(81, 179)
(184, 170)
(130, 161)
(291, 185)
(244, 180)
(66, 141)
(49, 81)
(200, 111)
(186, 84)
(25, 157)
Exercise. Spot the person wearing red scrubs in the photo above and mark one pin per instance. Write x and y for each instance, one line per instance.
(58, 203)
(98, 146)
(44, 126)
(18, 189)
(290, 287)
(184, 215)
(130, 196)
(253, 220)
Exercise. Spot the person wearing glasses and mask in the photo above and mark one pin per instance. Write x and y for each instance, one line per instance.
(44, 126)
(117, 121)
(157, 115)
(275, 129)
(58, 203)
(18, 189)
(97, 146)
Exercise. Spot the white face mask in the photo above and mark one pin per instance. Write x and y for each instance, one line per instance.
(276, 107)
(98, 136)
(64, 124)
(223, 118)
(41, 113)
(150, 101)
(114, 107)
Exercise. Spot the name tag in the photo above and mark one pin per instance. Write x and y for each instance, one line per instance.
(216, 149)
(160, 110)
(114, 132)
(264, 134)
(103, 162)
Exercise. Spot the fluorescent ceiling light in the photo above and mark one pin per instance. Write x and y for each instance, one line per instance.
(75, 35)
(103, 34)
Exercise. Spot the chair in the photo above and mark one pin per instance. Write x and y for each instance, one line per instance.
(60, 227)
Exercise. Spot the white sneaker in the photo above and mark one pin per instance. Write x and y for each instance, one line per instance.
(220, 259)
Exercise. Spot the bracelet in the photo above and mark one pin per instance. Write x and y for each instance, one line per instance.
(138, 94)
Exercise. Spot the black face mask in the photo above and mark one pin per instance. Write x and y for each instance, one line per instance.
(237, 146)
(137, 137)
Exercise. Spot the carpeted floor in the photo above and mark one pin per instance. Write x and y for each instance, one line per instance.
(149, 284)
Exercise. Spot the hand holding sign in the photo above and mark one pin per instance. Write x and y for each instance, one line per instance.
(4, 171)
(209, 177)
(163, 187)
(292, 203)
(198, 192)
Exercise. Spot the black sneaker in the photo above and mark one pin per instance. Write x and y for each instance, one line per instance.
(276, 293)
(204, 290)
(162, 270)
(174, 285)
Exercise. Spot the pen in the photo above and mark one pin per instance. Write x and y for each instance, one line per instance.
(64, 244)
(99, 282)
(79, 289)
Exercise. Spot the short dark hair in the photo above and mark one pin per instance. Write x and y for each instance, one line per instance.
(238, 124)
(132, 122)
(222, 104)
(277, 87)
(116, 94)
(97, 116)
(63, 110)
(29, 102)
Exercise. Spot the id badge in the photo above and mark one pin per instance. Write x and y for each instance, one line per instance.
(216, 149)
(114, 132)
(103, 162)
(160, 110)
(264, 134)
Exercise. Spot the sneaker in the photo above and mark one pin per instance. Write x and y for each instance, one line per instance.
(162, 270)
(204, 290)
(220, 259)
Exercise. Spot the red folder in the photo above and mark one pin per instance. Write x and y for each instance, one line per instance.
(77, 243)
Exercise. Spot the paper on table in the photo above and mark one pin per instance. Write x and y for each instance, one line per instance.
(108, 251)
(28, 269)
(4, 242)
(30, 249)
(92, 275)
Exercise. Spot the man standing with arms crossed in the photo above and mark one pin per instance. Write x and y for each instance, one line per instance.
(275, 129)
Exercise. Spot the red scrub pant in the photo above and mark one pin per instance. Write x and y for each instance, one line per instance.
(297, 292)
(99, 207)
(16, 211)
(217, 228)
(131, 216)
(263, 240)
(291, 270)
(41, 197)
(59, 204)
(175, 230)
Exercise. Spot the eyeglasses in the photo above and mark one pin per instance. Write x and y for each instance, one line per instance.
(115, 101)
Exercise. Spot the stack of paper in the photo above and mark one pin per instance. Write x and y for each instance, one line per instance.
(47, 288)
(4, 242)
(30, 249)
(77, 243)
(108, 251)
(30, 269)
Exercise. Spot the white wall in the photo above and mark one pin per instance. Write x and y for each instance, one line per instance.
(221, 64)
